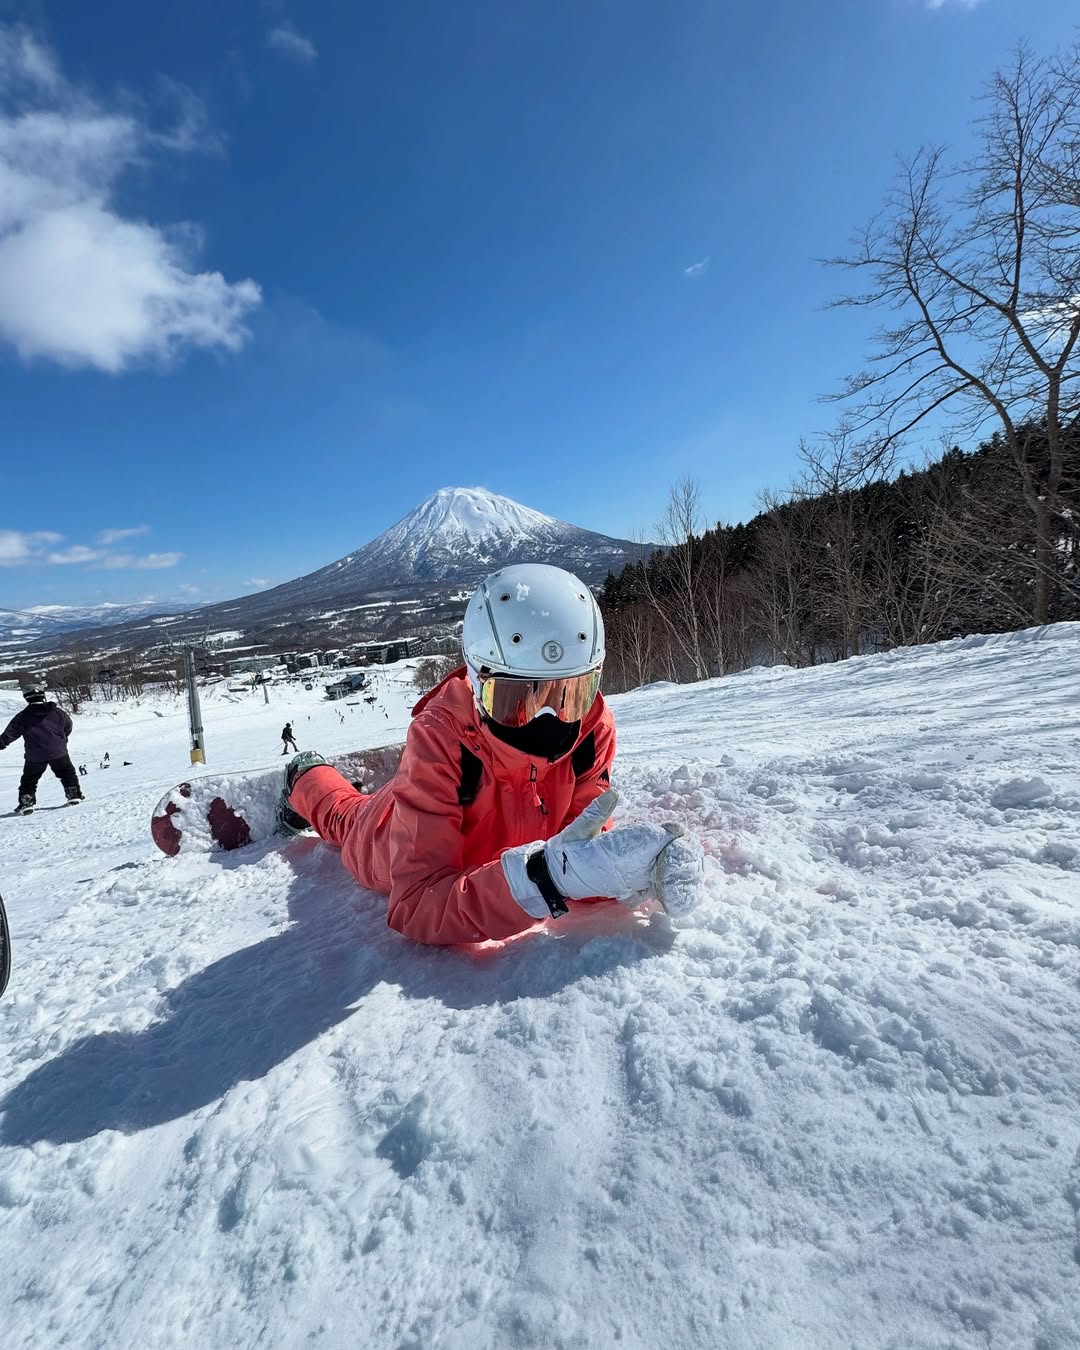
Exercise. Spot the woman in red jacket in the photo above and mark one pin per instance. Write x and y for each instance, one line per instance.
(496, 817)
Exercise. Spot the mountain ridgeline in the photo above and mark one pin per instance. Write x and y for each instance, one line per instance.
(453, 538)
(409, 579)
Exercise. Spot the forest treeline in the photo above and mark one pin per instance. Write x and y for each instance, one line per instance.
(828, 572)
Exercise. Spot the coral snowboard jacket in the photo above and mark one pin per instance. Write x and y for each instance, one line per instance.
(431, 839)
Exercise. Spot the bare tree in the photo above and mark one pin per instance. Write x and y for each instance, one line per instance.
(981, 266)
(73, 681)
(433, 670)
(672, 590)
(633, 647)
(783, 582)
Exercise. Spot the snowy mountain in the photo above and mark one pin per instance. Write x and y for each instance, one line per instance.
(18, 628)
(456, 536)
(449, 541)
(836, 1106)
(459, 533)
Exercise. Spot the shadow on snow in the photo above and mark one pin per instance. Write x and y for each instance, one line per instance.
(239, 1017)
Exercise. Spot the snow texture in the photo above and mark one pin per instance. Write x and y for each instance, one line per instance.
(836, 1106)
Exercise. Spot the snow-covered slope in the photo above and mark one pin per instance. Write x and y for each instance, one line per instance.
(838, 1106)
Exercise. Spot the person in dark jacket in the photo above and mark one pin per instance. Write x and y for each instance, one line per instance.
(44, 729)
(287, 739)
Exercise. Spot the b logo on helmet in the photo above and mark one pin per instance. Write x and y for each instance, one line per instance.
(552, 652)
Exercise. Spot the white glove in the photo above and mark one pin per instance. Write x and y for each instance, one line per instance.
(678, 879)
(625, 863)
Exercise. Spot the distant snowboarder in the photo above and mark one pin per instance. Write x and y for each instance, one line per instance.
(287, 739)
(45, 729)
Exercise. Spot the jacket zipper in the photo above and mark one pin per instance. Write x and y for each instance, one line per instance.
(537, 799)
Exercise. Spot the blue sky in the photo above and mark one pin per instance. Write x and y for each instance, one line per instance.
(271, 273)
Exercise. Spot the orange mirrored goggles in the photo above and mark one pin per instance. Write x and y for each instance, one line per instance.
(512, 701)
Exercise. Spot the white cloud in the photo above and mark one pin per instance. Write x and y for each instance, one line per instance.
(20, 548)
(697, 269)
(286, 40)
(187, 589)
(76, 553)
(258, 582)
(81, 284)
(953, 4)
(1052, 324)
(114, 536)
(141, 562)
(17, 546)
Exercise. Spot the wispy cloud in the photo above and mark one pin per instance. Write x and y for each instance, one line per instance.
(19, 546)
(76, 553)
(696, 270)
(107, 537)
(953, 4)
(145, 562)
(39, 548)
(257, 582)
(81, 283)
(285, 39)
(189, 130)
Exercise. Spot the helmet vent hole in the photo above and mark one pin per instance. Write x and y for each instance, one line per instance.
(505, 596)
(580, 596)
(582, 638)
(516, 638)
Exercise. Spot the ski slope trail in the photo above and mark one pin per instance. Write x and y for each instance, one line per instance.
(837, 1106)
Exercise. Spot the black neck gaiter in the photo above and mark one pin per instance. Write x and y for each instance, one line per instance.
(544, 737)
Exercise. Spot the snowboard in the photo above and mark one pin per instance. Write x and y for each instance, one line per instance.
(5, 948)
(231, 810)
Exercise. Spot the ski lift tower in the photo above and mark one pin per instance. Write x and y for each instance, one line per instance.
(198, 740)
(188, 648)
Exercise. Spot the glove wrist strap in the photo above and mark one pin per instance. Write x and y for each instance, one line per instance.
(536, 869)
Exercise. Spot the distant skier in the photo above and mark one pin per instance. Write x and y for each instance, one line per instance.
(499, 813)
(82, 771)
(287, 739)
(44, 729)
(105, 760)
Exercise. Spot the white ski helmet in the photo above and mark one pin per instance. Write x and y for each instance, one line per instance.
(535, 621)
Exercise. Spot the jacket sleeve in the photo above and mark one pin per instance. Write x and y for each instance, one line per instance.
(66, 723)
(12, 731)
(597, 779)
(432, 897)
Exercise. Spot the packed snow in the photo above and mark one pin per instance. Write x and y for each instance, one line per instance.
(837, 1106)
